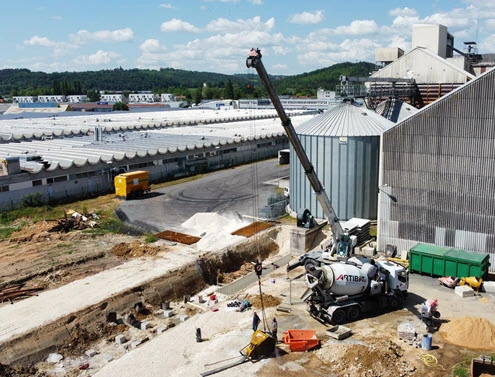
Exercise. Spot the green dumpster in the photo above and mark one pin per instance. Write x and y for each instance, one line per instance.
(462, 263)
(445, 261)
(427, 259)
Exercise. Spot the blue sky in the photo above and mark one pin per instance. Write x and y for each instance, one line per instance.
(216, 35)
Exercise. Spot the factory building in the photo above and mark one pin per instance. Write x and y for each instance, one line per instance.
(343, 145)
(437, 183)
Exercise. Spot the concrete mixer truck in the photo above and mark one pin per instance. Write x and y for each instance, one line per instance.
(339, 292)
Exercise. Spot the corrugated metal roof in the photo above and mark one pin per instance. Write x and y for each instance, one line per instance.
(395, 110)
(346, 119)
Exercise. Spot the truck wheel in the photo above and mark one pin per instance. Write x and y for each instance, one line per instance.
(310, 265)
(338, 317)
(353, 313)
(394, 302)
(436, 314)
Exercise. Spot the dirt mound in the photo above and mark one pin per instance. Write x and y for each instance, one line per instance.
(7, 371)
(378, 358)
(134, 249)
(470, 332)
(268, 301)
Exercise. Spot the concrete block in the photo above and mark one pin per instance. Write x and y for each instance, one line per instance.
(168, 313)
(161, 329)
(135, 343)
(54, 358)
(145, 325)
(488, 286)
(198, 299)
(120, 339)
(404, 254)
(108, 358)
(184, 317)
(464, 291)
(91, 352)
(165, 305)
(367, 251)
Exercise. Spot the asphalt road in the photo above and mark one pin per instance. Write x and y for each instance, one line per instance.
(242, 190)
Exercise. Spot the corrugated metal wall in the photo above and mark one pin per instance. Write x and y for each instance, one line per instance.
(440, 165)
(348, 171)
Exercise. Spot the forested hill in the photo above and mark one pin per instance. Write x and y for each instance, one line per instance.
(169, 80)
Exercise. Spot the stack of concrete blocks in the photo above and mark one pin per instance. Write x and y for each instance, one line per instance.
(145, 325)
(464, 291)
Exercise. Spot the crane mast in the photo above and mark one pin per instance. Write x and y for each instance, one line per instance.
(254, 61)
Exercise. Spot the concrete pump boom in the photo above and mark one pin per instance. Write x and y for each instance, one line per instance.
(254, 61)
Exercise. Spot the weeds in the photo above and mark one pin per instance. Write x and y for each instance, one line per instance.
(150, 238)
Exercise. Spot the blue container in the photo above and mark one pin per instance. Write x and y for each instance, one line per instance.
(426, 343)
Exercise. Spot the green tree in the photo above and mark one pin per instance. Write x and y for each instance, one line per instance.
(93, 95)
(198, 96)
(120, 106)
(229, 90)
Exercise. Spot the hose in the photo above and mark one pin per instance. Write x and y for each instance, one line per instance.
(429, 360)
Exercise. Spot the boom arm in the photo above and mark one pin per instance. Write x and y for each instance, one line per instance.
(254, 61)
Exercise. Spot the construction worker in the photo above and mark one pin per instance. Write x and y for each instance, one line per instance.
(256, 321)
(274, 328)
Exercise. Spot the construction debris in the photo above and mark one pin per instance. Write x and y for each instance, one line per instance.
(75, 221)
(17, 292)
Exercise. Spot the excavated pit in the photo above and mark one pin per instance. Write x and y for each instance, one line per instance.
(189, 279)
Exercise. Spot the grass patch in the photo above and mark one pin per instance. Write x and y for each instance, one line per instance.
(460, 371)
(150, 238)
(63, 245)
(7, 231)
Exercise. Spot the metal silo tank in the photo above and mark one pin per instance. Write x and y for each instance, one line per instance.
(343, 145)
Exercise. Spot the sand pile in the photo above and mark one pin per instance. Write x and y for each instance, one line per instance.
(134, 249)
(268, 301)
(215, 229)
(470, 332)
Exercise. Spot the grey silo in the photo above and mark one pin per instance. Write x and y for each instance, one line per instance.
(343, 145)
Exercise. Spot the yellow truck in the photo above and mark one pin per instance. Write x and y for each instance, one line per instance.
(132, 184)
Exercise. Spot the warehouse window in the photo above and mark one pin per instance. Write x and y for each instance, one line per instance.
(49, 180)
(60, 178)
(4, 188)
(37, 183)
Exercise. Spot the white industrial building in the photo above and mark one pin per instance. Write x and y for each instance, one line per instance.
(143, 98)
(25, 99)
(77, 98)
(112, 98)
(52, 98)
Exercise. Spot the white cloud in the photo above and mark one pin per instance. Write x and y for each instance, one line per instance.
(358, 27)
(120, 35)
(307, 18)
(153, 54)
(58, 18)
(222, 25)
(166, 6)
(100, 57)
(178, 25)
(403, 12)
(256, 2)
(151, 45)
(39, 41)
